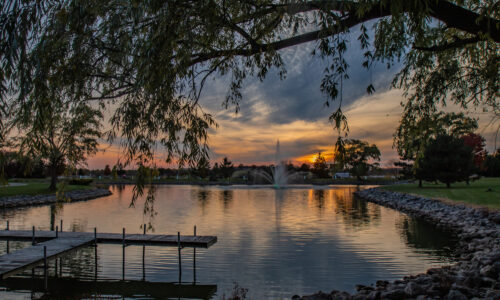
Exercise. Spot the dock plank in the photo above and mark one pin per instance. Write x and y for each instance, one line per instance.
(13, 263)
(114, 238)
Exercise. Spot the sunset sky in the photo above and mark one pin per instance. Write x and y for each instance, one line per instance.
(293, 111)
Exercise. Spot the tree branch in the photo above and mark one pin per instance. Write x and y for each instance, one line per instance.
(455, 44)
(350, 21)
(445, 11)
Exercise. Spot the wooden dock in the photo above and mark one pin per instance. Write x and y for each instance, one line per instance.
(51, 244)
(186, 241)
(13, 263)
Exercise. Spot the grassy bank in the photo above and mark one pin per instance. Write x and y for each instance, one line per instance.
(476, 193)
(35, 188)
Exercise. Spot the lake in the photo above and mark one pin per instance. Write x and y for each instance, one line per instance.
(275, 243)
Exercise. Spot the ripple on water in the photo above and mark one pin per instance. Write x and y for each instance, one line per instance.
(276, 243)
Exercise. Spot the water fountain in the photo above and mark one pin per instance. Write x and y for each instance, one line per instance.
(279, 175)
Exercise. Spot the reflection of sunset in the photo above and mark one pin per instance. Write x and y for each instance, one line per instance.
(259, 230)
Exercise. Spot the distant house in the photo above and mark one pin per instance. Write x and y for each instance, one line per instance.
(341, 175)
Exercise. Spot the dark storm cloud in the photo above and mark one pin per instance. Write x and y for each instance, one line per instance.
(298, 97)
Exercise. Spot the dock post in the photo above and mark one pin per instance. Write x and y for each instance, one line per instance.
(144, 257)
(45, 258)
(179, 250)
(8, 244)
(57, 231)
(45, 265)
(123, 255)
(33, 236)
(194, 259)
(95, 253)
(61, 226)
(55, 267)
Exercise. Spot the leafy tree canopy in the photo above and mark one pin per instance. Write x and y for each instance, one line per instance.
(62, 134)
(152, 58)
(357, 156)
(415, 131)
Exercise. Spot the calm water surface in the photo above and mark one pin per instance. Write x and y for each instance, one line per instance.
(275, 243)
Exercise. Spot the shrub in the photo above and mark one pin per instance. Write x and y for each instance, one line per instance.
(85, 181)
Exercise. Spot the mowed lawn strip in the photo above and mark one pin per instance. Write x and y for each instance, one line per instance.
(476, 193)
(35, 188)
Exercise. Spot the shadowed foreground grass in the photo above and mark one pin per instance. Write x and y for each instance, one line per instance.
(35, 188)
(476, 193)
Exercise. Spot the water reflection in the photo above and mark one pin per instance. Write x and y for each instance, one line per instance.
(356, 212)
(202, 195)
(276, 243)
(226, 196)
(421, 235)
(69, 288)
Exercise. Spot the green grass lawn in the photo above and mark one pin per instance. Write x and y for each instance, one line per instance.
(475, 193)
(35, 188)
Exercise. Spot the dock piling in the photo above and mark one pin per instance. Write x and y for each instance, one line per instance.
(194, 259)
(179, 250)
(7, 225)
(95, 253)
(57, 231)
(61, 225)
(45, 265)
(33, 236)
(123, 255)
(144, 257)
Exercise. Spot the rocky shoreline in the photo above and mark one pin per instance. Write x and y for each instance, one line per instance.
(78, 195)
(476, 275)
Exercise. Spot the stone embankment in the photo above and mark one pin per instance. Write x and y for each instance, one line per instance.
(78, 195)
(476, 275)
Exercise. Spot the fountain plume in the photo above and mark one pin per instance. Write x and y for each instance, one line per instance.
(279, 175)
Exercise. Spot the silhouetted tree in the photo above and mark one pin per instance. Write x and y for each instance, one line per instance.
(304, 167)
(355, 155)
(491, 165)
(320, 168)
(202, 168)
(447, 159)
(59, 133)
(226, 167)
(107, 170)
(406, 169)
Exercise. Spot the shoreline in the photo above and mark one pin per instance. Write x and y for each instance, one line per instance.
(215, 183)
(476, 274)
(73, 196)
